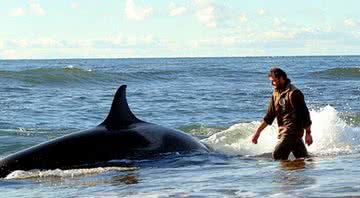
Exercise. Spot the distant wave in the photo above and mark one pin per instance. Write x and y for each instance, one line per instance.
(353, 72)
(71, 74)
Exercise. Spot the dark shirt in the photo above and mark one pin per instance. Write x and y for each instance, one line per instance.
(293, 116)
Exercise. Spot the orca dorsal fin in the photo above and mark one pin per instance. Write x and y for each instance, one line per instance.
(120, 115)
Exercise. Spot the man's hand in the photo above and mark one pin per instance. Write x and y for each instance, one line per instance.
(308, 139)
(255, 138)
(258, 131)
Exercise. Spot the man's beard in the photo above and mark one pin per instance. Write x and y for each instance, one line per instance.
(281, 87)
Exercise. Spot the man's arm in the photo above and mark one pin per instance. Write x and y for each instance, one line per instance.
(298, 101)
(268, 119)
(270, 114)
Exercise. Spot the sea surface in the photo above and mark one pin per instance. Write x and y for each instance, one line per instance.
(220, 101)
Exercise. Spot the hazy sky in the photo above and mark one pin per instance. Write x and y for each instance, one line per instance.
(177, 28)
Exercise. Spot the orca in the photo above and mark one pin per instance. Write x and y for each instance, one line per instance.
(120, 136)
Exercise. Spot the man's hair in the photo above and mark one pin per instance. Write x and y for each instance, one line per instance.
(276, 72)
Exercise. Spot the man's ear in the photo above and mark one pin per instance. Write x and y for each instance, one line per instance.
(281, 79)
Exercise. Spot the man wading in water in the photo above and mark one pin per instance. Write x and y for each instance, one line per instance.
(288, 106)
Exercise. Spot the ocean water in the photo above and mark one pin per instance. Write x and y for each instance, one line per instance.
(220, 101)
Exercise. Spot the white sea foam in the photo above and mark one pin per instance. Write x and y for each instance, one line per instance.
(236, 140)
(20, 174)
(75, 68)
(69, 67)
(330, 133)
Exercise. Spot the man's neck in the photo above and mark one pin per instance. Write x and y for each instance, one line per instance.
(283, 87)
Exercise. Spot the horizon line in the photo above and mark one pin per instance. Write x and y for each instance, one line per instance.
(176, 57)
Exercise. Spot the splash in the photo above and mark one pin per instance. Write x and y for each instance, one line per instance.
(330, 133)
(19, 174)
(236, 140)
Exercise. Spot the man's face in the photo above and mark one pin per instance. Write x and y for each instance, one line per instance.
(277, 83)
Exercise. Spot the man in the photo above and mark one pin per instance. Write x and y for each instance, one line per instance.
(288, 106)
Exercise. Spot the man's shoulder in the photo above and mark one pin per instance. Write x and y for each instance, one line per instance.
(293, 88)
(296, 94)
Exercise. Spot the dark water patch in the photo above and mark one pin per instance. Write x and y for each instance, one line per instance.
(32, 132)
(340, 73)
(154, 75)
(12, 140)
(174, 160)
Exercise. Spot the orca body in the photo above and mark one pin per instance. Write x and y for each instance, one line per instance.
(120, 136)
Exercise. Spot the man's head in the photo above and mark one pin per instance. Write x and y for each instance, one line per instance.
(278, 78)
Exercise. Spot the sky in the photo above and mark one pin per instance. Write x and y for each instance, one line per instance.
(49, 29)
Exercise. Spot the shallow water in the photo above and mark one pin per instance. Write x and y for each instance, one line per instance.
(218, 100)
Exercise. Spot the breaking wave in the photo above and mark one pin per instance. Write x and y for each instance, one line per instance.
(331, 134)
(68, 75)
(341, 72)
(19, 174)
(72, 74)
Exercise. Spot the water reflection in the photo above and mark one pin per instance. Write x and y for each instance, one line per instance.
(297, 165)
(294, 175)
(292, 165)
(127, 179)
